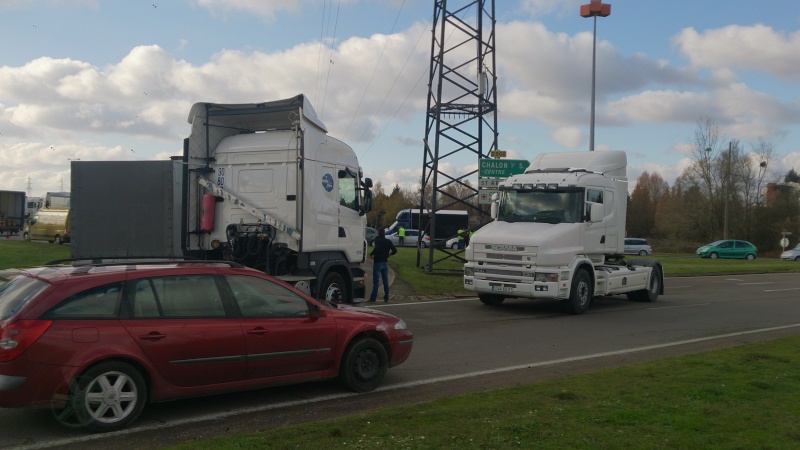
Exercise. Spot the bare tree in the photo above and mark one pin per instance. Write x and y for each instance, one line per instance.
(703, 173)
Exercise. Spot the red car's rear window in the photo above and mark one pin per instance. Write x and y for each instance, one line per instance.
(16, 290)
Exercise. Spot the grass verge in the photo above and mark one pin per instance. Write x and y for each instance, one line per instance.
(745, 397)
(20, 254)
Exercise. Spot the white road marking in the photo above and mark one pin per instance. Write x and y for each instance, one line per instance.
(779, 290)
(222, 415)
(760, 282)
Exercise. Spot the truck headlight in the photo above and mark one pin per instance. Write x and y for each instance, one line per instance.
(545, 277)
(469, 271)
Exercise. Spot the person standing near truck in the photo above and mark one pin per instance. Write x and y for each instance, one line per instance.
(401, 236)
(381, 250)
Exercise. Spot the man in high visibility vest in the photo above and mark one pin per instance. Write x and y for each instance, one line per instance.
(401, 235)
(461, 232)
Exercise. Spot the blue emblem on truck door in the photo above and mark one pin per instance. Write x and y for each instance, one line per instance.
(327, 182)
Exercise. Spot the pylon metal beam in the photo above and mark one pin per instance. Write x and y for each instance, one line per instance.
(461, 112)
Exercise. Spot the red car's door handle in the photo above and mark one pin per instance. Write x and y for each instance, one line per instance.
(258, 330)
(153, 336)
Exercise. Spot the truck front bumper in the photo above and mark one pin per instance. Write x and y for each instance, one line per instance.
(514, 288)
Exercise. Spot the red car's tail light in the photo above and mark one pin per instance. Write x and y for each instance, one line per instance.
(18, 336)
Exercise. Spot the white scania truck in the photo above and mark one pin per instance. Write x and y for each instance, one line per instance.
(261, 184)
(558, 234)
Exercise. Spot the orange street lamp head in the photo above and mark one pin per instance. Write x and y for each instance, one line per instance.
(595, 8)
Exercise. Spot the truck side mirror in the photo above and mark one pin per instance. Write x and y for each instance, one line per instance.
(368, 183)
(495, 207)
(596, 212)
(367, 202)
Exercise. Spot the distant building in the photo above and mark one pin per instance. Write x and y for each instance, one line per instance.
(774, 188)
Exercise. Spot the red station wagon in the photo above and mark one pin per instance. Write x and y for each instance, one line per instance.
(96, 342)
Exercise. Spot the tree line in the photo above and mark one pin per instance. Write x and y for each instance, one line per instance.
(722, 195)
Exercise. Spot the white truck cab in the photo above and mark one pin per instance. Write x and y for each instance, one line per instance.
(559, 234)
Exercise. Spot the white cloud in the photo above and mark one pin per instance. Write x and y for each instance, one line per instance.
(757, 47)
(664, 106)
(569, 137)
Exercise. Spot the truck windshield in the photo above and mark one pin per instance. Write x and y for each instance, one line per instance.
(547, 206)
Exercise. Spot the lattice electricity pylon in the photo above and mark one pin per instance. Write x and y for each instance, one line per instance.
(461, 115)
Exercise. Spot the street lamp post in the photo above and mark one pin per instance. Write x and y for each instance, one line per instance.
(593, 9)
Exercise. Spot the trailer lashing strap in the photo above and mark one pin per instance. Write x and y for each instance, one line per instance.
(265, 218)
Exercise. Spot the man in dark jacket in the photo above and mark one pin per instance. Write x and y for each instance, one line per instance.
(381, 250)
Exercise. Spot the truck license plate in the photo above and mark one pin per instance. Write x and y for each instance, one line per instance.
(503, 288)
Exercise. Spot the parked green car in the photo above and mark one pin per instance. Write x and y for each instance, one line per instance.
(728, 248)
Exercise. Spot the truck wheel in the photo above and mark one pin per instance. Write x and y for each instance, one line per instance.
(653, 287)
(332, 289)
(108, 396)
(580, 296)
(364, 365)
(491, 299)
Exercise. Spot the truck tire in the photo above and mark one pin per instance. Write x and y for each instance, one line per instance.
(653, 286)
(491, 299)
(581, 293)
(364, 365)
(332, 289)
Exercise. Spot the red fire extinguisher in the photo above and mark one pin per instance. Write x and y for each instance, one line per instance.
(207, 213)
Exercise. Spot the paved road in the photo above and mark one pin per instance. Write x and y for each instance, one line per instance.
(463, 346)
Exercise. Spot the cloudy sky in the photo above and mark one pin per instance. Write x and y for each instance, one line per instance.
(114, 80)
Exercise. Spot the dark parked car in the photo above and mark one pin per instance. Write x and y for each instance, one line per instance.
(728, 248)
(97, 342)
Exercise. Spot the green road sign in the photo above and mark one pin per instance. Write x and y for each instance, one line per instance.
(502, 168)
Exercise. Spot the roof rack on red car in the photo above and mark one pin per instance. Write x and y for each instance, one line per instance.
(138, 260)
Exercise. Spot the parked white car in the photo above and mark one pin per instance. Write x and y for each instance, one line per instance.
(637, 246)
(412, 236)
(791, 255)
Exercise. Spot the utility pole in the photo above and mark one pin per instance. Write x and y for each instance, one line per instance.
(727, 189)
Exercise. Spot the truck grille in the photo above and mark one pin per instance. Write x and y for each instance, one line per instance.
(504, 256)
